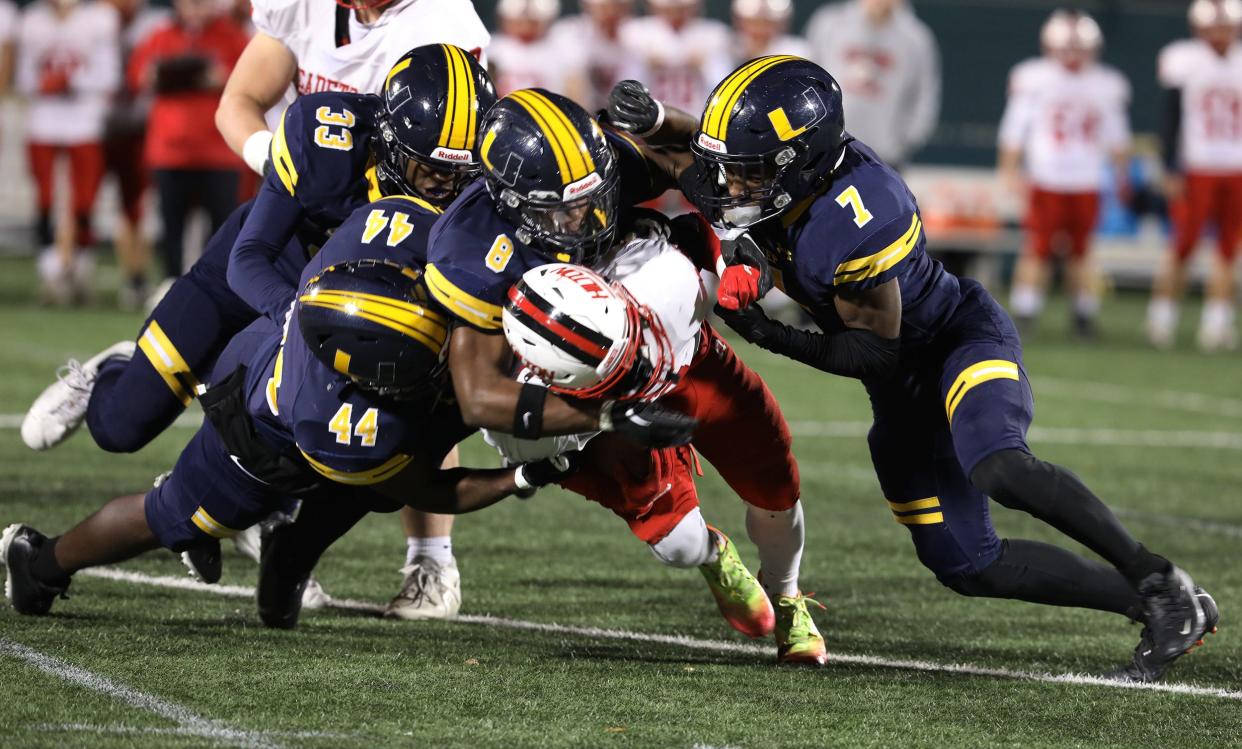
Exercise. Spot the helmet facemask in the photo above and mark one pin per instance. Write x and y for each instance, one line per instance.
(577, 230)
(738, 191)
(398, 167)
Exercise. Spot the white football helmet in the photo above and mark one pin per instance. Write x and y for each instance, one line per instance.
(778, 11)
(586, 337)
(544, 11)
(1205, 14)
(1067, 30)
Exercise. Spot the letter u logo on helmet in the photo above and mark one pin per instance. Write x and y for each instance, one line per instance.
(552, 174)
(434, 100)
(771, 132)
(371, 321)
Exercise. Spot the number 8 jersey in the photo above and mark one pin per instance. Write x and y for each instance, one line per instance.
(859, 230)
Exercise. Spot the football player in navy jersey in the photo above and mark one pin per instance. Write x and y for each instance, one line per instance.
(332, 153)
(342, 409)
(838, 230)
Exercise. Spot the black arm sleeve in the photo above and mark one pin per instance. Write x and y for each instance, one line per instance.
(1171, 129)
(851, 353)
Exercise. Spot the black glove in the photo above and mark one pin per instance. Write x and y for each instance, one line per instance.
(631, 108)
(531, 476)
(750, 323)
(647, 423)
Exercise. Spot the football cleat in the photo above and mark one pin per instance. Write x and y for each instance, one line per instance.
(740, 597)
(1147, 665)
(61, 407)
(204, 562)
(18, 546)
(280, 590)
(1172, 612)
(798, 641)
(430, 591)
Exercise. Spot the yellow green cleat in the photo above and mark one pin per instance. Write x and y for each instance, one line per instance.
(741, 599)
(798, 641)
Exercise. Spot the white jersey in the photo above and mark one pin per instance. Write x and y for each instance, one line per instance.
(1211, 138)
(680, 66)
(84, 47)
(1066, 123)
(889, 75)
(599, 58)
(308, 29)
(517, 64)
(8, 22)
(663, 280)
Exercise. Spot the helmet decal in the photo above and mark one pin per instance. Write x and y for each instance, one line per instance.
(780, 121)
(725, 96)
(573, 158)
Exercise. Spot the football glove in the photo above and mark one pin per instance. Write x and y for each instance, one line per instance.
(749, 322)
(631, 108)
(747, 276)
(531, 476)
(647, 423)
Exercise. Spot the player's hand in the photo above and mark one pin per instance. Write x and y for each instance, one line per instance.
(531, 476)
(747, 277)
(647, 423)
(750, 323)
(631, 108)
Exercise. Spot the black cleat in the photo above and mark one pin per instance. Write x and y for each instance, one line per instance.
(280, 590)
(1085, 327)
(204, 561)
(1149, 664)
(18, 546)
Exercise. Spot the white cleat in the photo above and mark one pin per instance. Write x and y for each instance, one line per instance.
(1212, 339)
(314, 596)
(61, 407)
(430, 591)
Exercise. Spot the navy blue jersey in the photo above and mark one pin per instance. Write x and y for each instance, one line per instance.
(863, 229)
(321, 171)
(395, 228)
(475, 255)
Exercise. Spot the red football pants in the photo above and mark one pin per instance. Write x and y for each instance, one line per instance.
(741, 432)
(86, 169)
(1051, 215)
(1215, 197)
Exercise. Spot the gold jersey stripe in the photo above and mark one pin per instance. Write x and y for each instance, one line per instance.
(382, 472)
(209, 525)
(928, 518)
(469, 308)
(282, 160)
(918, 504)
(875, 264)
(166, 360)
(720, 106)
(418, 202)
(977, 374)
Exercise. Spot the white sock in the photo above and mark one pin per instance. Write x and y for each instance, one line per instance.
(1162, 314)
(1217, 315)
(1087, 304)
(779, 537)
(689, 544)
(437, 548)
(1026, 301)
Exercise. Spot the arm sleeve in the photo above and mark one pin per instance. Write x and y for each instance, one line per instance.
(1016, 121)
(1117, 118)
(252, 274)
(851, 353)
(925, 109)
(1171, 128)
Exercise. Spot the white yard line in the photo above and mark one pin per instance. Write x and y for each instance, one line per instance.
(694, 643)
(186, 719)
(1103, 437)
(122, 729)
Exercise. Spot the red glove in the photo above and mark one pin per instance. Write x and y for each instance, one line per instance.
(53, 82)
(739, 287)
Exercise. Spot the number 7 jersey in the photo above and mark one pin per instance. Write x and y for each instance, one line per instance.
(860, 230)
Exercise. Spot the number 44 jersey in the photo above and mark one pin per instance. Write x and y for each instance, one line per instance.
(860, 230)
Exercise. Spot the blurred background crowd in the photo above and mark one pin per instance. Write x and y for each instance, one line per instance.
(1082, 156)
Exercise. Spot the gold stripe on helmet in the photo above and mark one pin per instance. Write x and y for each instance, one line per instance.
(568, 146)
(458, 130)
(720, 106)
(423, 325)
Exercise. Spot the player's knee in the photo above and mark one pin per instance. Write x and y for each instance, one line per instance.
(687, 545)
(972, 584)
(1009, 476)
(114, 435)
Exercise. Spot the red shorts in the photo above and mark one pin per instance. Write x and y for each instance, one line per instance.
(1051, 215)
(741, 432)
(1214, 197)
(86, 167)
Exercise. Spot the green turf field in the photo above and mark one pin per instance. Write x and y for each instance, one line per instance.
(1158, 435)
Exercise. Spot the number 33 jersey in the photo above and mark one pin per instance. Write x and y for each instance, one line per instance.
(859, 231)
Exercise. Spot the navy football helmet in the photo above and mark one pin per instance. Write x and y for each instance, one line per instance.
(552, 173)
(433, 101)
(371, 320)
(771, 133)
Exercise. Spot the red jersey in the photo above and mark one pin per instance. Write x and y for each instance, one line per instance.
(181, 131)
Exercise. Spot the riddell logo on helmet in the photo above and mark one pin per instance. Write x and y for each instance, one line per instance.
(583, 186)
(592, 284)
(711, 144)
(452, 154)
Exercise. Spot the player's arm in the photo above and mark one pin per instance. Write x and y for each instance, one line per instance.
(455, 491)
(258, 81)
(252, 274)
